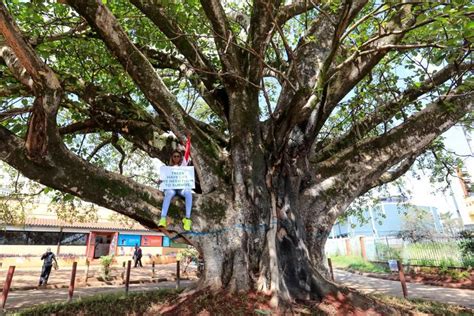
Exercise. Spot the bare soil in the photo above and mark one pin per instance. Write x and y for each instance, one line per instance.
(430, 279)
(205, 303)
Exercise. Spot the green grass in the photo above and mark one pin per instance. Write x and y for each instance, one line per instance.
(357, 263)
(139, 303)
(424, 306)
(106, 304)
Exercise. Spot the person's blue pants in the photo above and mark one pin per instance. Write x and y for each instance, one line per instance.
(170, 193)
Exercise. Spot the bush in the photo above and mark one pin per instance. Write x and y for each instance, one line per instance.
(106, 262)
(106, 304)
(458, 276)
(467, 247)
(189, 254)
(385, 252)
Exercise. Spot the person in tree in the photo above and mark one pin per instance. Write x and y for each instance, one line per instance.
(177, 160)
(48, 258)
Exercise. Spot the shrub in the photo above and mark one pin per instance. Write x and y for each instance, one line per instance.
(106, 262)
(467, 247)
(385, 252)
(187, 256)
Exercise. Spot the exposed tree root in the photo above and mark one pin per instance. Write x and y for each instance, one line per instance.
(209, 302)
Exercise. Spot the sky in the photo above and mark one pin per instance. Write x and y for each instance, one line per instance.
(422, 190)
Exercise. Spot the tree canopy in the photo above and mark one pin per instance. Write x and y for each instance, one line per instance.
(295, 109)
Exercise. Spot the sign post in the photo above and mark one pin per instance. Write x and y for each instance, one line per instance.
(393, 266)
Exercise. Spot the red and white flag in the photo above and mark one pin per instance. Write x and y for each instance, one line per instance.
(187, 152)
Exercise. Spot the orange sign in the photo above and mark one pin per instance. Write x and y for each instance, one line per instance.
(151, 241)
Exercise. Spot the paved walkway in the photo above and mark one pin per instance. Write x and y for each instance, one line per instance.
(380, 286)
(22, 299)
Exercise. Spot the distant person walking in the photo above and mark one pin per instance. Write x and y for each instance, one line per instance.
(48, 259)
(137, 256)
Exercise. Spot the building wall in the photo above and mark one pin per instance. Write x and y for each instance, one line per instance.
(38, 250)
(146, 251)
(383, 220)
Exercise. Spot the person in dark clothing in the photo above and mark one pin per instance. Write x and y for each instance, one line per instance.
(137, 256)
(48, 257)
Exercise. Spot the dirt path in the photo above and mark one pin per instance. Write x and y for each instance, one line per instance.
(379, 286)
(26, 279)
(22, 299)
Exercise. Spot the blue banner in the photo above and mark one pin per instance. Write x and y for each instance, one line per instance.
(166, 241)
(129, 240)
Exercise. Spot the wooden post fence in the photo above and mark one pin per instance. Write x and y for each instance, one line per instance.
(330, 269)
(87, 269)
(127, 279)
(402, 279)
(362, 247)
(6, 285)
(123, 271)
(348, 247)
(73, 281)
(177, 274)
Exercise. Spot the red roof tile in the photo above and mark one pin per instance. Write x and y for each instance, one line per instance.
(49, 222)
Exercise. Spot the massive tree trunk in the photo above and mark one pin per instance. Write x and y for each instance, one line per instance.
(271, 187)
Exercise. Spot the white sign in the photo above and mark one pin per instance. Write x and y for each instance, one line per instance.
(176, 178)
(392, 264)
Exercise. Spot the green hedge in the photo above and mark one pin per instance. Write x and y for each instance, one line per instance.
(106, 304)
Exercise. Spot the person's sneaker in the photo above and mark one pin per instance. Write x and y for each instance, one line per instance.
(162, 222)
(187, 223)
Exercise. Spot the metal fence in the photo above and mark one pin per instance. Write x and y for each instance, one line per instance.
(436, 252)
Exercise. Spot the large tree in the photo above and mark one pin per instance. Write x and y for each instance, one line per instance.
(295, 109)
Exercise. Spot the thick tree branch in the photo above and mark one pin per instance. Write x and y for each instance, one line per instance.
(261, 24)
(341, 84)
(296, 8)
(308, 71)
(46, 87)
(373, 156)
(27, 57)
(68, 173)
(388, 110)
(205, 151)
(365, 164)
(224, 38)
(198, 61)
(16, 68)
(393, 175)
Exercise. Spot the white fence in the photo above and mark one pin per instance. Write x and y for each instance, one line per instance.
(441, 251)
